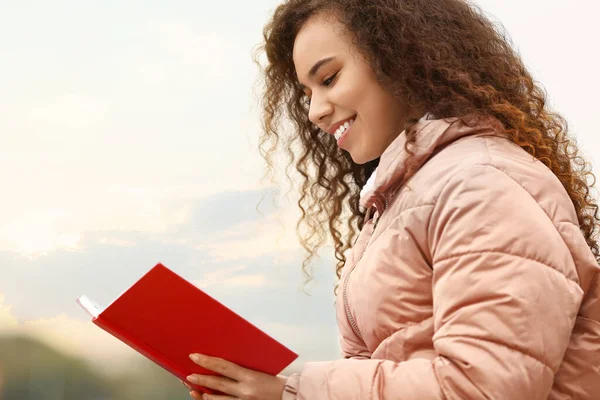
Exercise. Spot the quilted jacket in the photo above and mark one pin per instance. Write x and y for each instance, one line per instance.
(472, 280)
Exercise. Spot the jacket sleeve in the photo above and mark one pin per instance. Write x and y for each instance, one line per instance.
(505, 294)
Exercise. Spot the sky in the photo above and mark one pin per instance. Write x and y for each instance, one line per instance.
(128, 136)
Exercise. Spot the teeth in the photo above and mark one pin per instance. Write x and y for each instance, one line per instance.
(340, 131)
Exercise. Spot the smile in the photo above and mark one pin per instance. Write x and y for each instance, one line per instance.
(342, 129)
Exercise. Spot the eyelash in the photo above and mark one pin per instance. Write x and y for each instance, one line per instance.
(326, 82)
(330, 80)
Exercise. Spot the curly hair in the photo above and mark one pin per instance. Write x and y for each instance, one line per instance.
(445, 57)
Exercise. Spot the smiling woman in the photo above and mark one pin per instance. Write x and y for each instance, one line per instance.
(475, 273)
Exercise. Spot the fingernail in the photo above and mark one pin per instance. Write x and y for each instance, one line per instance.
(187, 385)
(196, 357)
(192, 378)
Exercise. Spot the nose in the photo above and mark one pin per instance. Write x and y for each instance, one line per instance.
(320, 107)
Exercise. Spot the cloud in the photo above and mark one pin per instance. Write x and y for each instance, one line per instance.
(244, 225)
(230, 278)
(221, 242)
(71, 110)
(176, 214)
(256, 280)
(35, 233)
(207, 52)
(81, 339)
(241, 257)
(153, 73)
(7, 320)
(224, 210)
(252, 241)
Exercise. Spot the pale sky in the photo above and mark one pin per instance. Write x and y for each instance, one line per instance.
(128, 136)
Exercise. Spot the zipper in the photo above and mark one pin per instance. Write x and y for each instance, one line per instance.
(379, 216)
(347, 306)
(345, 287)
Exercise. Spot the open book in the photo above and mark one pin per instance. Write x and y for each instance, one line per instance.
(166, 318)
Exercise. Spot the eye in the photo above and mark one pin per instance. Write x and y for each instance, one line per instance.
(326, 82)
(329, 80)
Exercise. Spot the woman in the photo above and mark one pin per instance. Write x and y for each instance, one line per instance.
(475, 273)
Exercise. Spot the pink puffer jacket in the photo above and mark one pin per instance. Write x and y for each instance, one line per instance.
(475, 281)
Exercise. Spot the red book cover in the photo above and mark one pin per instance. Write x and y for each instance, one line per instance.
(166, 318)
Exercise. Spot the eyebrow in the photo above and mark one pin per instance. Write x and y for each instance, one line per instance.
(315, 68)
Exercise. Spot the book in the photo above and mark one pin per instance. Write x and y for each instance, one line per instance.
(166, 318)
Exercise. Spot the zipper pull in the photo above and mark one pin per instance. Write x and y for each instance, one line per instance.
(381, 203)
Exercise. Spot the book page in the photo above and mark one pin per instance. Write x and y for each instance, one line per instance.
(89, 306)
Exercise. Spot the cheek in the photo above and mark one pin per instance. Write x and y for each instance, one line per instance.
(375, 129)
(372, 118)
(384, 112)
(348, 98)
(370, 100)
(354, 92)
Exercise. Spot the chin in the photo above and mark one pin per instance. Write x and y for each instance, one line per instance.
(360, 158)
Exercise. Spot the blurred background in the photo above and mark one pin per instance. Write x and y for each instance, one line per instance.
(128, 136)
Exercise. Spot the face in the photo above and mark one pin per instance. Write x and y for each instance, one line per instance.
(346, 100)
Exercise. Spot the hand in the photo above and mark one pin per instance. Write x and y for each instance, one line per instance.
(236, 382)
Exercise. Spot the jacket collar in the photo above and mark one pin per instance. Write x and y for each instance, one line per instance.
(431, 136)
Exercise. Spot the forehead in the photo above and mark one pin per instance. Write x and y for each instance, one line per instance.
(321, 36)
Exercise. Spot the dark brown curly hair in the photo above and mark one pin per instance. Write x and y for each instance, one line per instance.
(443, 56)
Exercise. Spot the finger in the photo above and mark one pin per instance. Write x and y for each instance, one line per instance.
(220, 366)
(187, 385)
(195, 395)
(219, 383)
